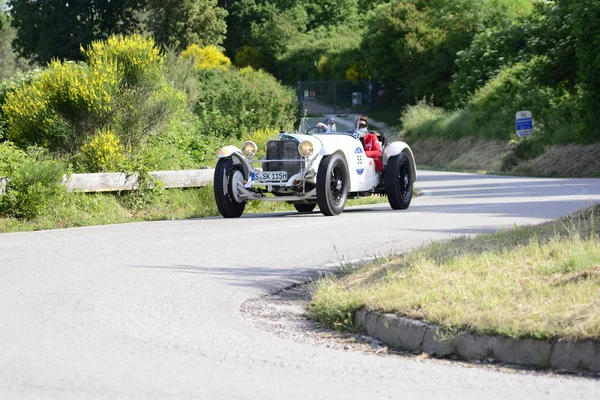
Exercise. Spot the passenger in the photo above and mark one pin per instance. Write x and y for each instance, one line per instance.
(328, 125)
(370, 143)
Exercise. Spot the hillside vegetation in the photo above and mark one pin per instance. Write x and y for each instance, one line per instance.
(144, 85)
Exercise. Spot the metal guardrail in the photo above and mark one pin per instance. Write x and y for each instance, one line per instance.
(118, 181)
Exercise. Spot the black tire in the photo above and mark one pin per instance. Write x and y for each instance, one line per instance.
(229, 205)
(399, 181)
(332, 185)
(305, 208)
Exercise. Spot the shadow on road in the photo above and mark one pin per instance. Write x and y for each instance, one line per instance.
(271, 280)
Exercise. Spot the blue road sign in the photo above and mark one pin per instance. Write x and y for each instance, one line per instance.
(524, 122)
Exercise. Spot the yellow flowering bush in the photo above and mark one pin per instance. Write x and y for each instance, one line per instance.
(54, 110)
(209, 57)
(134, 58)
(323, 66)
(103, 152)
(354, 73)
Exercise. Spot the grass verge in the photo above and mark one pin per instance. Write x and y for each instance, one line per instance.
(85, 209)
(532, 282)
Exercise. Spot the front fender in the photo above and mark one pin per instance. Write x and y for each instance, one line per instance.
(237, 156)
(395, 148)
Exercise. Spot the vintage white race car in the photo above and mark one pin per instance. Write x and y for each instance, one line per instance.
(309, 168)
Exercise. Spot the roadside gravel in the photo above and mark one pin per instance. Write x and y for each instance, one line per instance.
(284, 315)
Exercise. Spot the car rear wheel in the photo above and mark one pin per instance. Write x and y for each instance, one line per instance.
(399, 181)
(332, 185)
(305, 208)
(227, 175)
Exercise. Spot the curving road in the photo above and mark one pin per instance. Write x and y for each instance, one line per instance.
(152, 310)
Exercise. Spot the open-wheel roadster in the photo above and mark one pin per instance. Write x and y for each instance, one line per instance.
(309, 168)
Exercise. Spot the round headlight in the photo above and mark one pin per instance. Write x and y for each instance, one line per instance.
(305, 148)
(249, 148)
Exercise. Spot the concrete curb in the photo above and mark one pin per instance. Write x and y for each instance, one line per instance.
(419, 337)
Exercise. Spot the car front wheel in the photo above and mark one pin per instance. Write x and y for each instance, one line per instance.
(227, 175)
(399, 181)
(332, 185)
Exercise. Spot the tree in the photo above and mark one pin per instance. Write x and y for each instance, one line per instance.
(412, 44)
(266, 28)
(329, 13)
(272, 37)
(585, 17)
(48, 29)
(9, 62)
(180, 23)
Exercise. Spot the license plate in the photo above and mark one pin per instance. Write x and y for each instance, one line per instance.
(271, 176)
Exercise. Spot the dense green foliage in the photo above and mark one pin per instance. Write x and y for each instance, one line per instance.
(9, 62)
(335, 51)
(234, 103)
(180, 23)
(489, 52)
(412, 44)
(490, 112)
(48, 29)
(585, 21)
(546, 62)
(32, 186)
(202, 72)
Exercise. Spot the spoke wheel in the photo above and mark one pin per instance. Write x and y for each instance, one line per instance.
(332, 185)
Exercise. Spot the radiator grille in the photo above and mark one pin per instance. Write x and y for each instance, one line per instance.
(283, 150)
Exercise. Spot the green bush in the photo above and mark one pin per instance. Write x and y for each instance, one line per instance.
(232, 103)
(490, 112)
(32, 187)
(490, 51)
(585, 17)
(336, 50)
(515, 89)
(181, 146)
(10, 158)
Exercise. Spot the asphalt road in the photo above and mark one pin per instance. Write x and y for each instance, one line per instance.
(152, 310)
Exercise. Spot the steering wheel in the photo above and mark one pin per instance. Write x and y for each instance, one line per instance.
(312, 130)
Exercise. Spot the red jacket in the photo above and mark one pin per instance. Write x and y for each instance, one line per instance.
(373, 149)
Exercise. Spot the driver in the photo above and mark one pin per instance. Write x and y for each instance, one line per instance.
(370, 143)
(328, 125)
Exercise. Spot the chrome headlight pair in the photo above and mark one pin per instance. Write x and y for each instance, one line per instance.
(305, 148)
